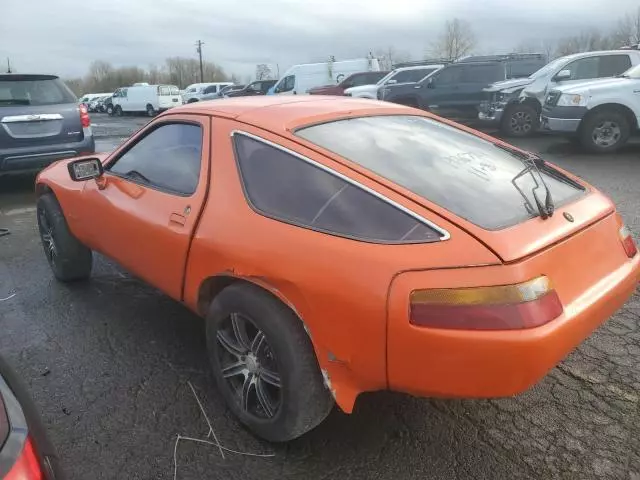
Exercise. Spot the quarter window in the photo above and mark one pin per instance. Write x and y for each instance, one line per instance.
(613, 65)
(287, 188)
(168, 158)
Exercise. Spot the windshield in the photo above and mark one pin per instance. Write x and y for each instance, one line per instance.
(548, 68)
(465, 174)
(633, 72)
(51, 91)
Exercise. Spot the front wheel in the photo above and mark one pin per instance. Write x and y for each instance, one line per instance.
(264, 364)
(68, 258)
(117, 111)
(110, 110)
(604, 132)
(520, 120)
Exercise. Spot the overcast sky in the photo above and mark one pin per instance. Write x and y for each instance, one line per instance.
(64, 36)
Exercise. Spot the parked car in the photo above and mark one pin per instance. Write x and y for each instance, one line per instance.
(600, 114)
(221, 93)
(40, 122)
(26, 452)
(399, 76)
(87, 97)
(389, 240)
(515, 105)
(150, 99)
(299, 79)
(355, 80)
(259, 87)
(194, 92)
(456, 90)
(94, 104)
(104, 103)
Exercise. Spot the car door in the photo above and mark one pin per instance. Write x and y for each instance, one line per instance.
(286, 86)
(440, 92)
(145, 208)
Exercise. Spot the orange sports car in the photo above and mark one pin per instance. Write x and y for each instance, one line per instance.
(339, 246)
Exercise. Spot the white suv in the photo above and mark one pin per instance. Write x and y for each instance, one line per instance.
(601, 114)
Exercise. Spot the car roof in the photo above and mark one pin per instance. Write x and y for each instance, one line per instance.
(419, 67)
(285, 112)
(26, 76)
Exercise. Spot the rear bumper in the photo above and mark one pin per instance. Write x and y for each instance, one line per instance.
(34, 159)
(485, 364)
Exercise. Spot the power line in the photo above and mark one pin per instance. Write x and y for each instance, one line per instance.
(199, 45)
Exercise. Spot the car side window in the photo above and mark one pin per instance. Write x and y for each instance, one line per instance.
(123, 93)
(210, 89)
(583, 68)
(287, 188)
(287, 84)
(612, 65)
(359, 80)
(167, 158)
(164, 91)
(481, 73)
(448, 75)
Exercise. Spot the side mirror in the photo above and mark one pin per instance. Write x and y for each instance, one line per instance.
(430, 83)
(85, 169)
(563, 75)
(392, 82)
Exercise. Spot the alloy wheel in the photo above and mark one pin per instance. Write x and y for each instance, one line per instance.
(521, 122)
(46, 235)
(249, 367)
(606, 133)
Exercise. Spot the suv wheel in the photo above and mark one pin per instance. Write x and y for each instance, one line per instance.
(520, 120)
(264, 364)
(110, 109)
(117, 111)
(604, 132)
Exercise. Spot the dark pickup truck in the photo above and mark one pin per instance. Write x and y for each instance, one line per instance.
(457, 90)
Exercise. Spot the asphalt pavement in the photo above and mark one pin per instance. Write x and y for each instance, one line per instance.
(111, 364)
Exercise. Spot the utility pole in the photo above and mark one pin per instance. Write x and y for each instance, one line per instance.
(199, 45)
(8, 65)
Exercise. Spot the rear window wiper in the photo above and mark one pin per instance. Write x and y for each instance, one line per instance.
(532, 165)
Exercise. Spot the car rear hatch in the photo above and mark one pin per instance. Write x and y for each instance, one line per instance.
(37, 110)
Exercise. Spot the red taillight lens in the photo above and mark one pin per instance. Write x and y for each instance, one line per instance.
(627, 242)
(505, 307)
(27, 467)
(84, 116)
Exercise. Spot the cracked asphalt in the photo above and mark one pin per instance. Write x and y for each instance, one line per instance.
(109, 364)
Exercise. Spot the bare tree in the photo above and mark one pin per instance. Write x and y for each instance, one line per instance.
(390, 56)
(456, 40)
(263, 72)
(627, 31)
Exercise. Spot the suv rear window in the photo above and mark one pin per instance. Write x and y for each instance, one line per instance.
(462, 173)
(33, 90)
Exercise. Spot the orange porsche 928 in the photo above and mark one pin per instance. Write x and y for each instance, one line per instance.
(340, 246)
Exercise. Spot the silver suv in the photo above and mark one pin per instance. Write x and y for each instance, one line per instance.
(40, 122)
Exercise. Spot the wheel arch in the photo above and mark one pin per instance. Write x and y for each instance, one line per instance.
(532, 102)
(336, 380)
(615, 107)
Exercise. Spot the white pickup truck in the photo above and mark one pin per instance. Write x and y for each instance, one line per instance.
(600, 114)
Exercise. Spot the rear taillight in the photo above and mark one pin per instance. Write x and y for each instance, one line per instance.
(504, 307)
(27, 466)
(627, 241)
(84, 116)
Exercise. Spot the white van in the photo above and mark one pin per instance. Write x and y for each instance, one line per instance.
(300, 78)
(146, 98)
(194, 92)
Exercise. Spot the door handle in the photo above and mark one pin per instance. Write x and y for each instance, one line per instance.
(177, 219)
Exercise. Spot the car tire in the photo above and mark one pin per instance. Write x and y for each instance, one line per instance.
(117, 111)
(276, 390)
(151, 112)
(110, 110)
(69, 259)
(604, 131)
(520, 120)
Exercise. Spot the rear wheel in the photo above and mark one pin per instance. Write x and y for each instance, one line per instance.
(520, 120)
(264, 364)
(68, 258)
(110, 109)
(117, 111)
(605, 131)
(151, 112)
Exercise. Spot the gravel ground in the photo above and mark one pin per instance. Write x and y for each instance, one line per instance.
(110, 365)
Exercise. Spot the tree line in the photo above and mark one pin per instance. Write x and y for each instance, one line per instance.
(456, 40)
(105, 77)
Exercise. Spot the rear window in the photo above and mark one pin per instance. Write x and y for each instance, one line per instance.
(34, 91)
(465, 174)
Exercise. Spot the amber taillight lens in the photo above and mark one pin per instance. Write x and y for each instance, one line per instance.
(503, 307)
